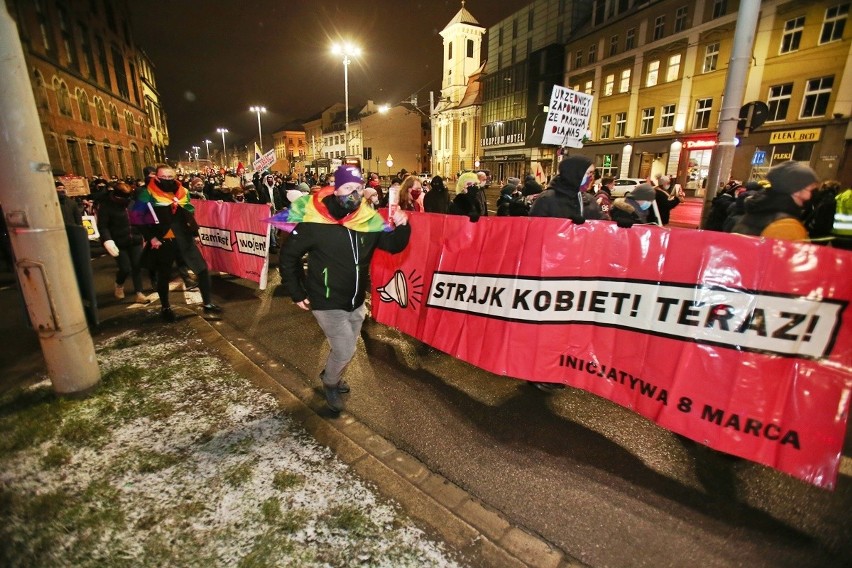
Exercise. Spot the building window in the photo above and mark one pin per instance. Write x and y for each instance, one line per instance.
(817, 93)
(647, 121)
(470, 48)
(834, 23)
(113, 114)
(63, 96)
(102, 56)
(67, 40)
(613, 45)
(44, 27)
(620, 124)
(514, 29)
(653, 73)
(121, 169)
(578, 59)
(463, 136)
(673, 70)
(680, 19)
(94, 162)
(659, 27)
(779, 101)
(120, 72)
(630, 39)
(609, 84)
(83, 104)
(624, 84)
(86, 48)
(711, 57)
(450, 50)
(101, 112)
(588, 89)
(593, 53)
(530, 21)
(667, 116)
(74, 156)
(128, 120)
(720, 7)
(606, 121)
(702, 114)
(792, 34)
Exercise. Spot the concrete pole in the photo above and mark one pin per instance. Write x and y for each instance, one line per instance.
(36, 229)
(735, 83)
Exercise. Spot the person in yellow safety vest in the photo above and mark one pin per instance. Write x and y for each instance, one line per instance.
(843, 220)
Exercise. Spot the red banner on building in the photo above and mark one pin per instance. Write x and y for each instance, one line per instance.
(235, 238)
(739, 343)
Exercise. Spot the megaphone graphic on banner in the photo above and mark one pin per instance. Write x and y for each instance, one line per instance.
(396, 290)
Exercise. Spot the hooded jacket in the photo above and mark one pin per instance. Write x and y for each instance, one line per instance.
(563, 197)
(774, 214)
(437, 199)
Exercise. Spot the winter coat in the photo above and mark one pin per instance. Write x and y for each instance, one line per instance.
(562, 197)
(114, 223)
(719, 212)
(464, 204)
(772, 214)
(338, 262)
(437, 199)
(604, 200)
(626, 211)
(665, 203)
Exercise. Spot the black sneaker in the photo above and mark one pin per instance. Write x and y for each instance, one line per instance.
(332, 398)
(168, 315)
(212, 309)
(189, 284)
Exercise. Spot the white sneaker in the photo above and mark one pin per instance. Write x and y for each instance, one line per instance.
(141, 298)
(119, 291)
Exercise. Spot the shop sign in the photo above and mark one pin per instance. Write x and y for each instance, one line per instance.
(699, 144)
(789, 136)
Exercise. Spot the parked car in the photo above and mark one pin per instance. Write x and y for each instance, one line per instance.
(623, 186)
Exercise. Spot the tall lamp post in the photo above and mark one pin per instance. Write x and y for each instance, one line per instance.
(196, 148)
(347, 50)
(207, 145)
(258, 110)
(223, 131)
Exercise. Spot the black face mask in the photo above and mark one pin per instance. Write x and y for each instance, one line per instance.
(167, 185)
(350, 201)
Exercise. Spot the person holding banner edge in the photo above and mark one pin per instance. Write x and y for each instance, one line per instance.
(339, 232)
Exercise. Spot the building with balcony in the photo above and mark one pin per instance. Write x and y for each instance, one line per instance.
(84, 69)
(657, 70)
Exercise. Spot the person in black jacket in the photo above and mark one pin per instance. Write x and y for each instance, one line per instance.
(339, 232)
(122, 240)
(437, 199)
(567, 195)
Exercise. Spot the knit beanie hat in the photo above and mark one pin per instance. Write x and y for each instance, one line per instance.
(790, 177)
(347, 174)
(643, 192)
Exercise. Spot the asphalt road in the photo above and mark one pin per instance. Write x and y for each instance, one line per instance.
(604, 485)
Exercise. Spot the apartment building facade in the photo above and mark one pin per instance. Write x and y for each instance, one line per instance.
(658, 69)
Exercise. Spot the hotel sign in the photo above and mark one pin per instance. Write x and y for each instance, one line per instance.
(793, 136)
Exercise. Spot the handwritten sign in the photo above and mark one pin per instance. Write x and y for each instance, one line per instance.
(568, 118)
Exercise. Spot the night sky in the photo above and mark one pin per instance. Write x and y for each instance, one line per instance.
(213, 59)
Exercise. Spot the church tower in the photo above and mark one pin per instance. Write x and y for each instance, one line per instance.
(456, 118)
(462, 53)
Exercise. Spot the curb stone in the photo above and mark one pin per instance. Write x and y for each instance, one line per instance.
(480, 534)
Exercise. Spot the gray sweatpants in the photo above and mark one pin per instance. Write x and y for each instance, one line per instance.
(342, 329)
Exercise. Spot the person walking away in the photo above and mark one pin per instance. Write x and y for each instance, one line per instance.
(777, 212)
(437, 199)
(567, 197)
(636, 207)
(122, 240)
(171, 232)
(339, 232)
(508, 193)
(604, 196)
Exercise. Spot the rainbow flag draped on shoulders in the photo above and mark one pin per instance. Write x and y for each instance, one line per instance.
(311, 209)
(143, 210)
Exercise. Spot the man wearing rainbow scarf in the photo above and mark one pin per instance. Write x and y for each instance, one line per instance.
(339, 232)
(167, 221)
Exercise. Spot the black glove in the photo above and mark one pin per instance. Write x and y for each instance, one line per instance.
(624, 223)
(474, 217)
(578, 219)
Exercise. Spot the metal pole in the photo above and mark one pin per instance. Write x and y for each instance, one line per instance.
(732, 99)
(259, 131)
(36, 228)
(346, 100)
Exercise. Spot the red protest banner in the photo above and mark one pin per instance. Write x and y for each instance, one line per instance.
(739, 343)
(234, 238)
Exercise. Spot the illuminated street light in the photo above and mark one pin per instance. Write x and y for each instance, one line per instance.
(347, 50)
(196, 148)
(207, 145)
(258, 110)
(223, 131)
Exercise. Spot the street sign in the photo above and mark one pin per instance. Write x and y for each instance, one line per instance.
(752, 116)
(759, 158)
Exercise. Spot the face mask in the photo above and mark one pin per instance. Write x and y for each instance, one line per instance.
(350, 201)
(167, 185)
(587, 181)
(645, 205)
(415, 193)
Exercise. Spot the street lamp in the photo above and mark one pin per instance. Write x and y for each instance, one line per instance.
(222, 131)
(207, 145)
(258, 110)
(196, 148)
(389, 163)
(347, 50)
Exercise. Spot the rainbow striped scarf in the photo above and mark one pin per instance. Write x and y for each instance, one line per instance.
(159, 198)
(311, 209)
